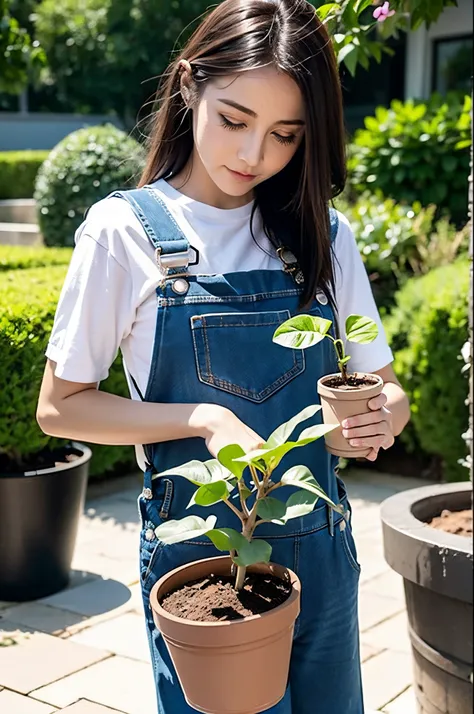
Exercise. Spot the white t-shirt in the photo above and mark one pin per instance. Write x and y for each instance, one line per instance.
(108, 299)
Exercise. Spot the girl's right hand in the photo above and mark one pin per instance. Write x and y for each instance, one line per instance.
(220, 427)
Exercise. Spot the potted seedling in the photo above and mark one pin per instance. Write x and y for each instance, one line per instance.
(250, 632)
(342, 394)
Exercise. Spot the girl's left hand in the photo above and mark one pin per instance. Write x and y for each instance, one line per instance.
(373, 429)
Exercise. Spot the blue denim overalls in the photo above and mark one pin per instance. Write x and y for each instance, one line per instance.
(213, 343)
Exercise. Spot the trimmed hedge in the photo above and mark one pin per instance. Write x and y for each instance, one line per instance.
(427, 329)
(18, 171)
(17, 257)
(416, 151)
(82, 169)
(28, 300)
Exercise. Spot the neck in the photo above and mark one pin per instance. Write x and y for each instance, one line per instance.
(194, 181)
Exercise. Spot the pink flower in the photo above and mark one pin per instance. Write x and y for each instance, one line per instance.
(382, 12)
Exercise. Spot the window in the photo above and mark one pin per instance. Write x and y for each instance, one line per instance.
(452, 69)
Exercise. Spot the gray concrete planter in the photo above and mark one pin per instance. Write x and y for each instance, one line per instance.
(39, 518)
(437, 570)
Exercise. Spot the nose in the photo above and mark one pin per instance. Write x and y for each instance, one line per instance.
(250, 151)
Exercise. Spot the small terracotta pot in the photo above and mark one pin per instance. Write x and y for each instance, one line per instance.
(338, 404)
(237, 667)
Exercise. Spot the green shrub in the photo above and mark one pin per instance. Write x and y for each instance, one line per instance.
(18, 170)
(416, 152)
(397, 241)
(16, 257)
(83, 168)
(28, 300)
(427, 330)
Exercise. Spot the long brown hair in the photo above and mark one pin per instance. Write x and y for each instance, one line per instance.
(240, 35)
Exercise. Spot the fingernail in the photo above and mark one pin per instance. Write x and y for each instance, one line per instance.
(345, 424)
(345, 432)
(354, 442)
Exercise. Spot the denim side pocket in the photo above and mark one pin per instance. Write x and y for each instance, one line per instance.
(349, 546)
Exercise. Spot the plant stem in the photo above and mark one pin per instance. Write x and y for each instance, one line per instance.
(253, 471)
(245, 510)
(240, 579)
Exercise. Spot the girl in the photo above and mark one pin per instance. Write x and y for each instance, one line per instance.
(184, 275)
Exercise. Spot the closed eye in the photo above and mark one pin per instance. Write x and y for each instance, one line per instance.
(227, 124)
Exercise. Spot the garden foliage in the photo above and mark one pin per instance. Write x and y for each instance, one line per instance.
(416, 152)
(397, 241)
(28, 300)
(427, 329)
(83, 168)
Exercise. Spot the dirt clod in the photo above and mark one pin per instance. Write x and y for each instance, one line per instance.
(213, 599)
(353, 382)
(456, 522)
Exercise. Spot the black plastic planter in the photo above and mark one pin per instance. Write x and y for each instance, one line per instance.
(39, 518)
(437, 569)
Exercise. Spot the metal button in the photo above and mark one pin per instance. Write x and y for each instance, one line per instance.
(147, 493)
(322, 298)
(180, 286)
(149, 534)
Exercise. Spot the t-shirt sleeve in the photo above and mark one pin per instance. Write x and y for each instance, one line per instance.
(93, 314)
(354, 297)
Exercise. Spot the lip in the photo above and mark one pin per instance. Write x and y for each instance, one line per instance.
(242, 177)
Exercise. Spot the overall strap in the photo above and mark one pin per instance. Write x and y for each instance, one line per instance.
(172, 250)
(334, 219)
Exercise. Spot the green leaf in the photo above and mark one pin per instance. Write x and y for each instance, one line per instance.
(463, 144)
(361, 5)
(226, 457)
(184, 529)
(217, 470)
(226, 539)
(280, 435)
(324, 10)
(272, 457)
(361, 329)
(194, 471)
(300, 504)
(210, 493)
(349, 55)
(255, 551)
(301, 331)
(301, 477)
(271, 509)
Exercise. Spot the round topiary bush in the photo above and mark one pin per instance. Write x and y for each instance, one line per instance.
(82, 169)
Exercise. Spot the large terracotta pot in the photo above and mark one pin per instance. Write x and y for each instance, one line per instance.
(338, 404)
(237, 667)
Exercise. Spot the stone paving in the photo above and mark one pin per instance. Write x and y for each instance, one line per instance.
(84, 650)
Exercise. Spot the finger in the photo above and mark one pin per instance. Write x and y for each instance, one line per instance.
(370, 442)
(364, 419)
(372, 455)
(379, 429)
(377, 402)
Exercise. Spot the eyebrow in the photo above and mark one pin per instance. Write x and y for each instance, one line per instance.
(251, 113)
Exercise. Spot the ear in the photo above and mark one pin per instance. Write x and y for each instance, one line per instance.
(185, 80)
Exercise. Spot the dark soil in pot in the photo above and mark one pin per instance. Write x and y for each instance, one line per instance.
(353, 382)
(213, 599)
(457, 522)
(44, 459)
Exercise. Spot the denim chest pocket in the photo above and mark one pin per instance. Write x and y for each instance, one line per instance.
(234, 352)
